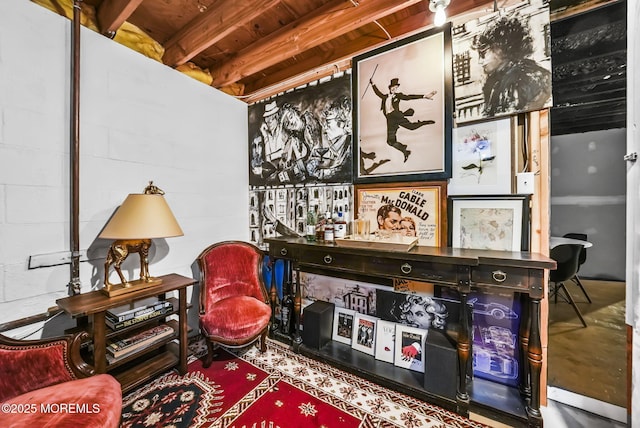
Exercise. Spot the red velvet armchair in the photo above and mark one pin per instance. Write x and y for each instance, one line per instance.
(45, 383)
(234, 304)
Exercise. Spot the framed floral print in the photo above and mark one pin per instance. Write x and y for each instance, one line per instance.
(493, 222)
(481, 159)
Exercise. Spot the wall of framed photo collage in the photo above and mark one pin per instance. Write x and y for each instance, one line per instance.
(448, 165)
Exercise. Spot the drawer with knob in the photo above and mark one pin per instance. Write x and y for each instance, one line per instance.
(500, 276)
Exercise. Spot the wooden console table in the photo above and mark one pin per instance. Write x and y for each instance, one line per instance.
(89, 310)
(463, 270)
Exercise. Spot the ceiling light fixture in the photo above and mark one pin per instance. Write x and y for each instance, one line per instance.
(438, 6)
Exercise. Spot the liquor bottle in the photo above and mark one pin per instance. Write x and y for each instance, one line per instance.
(287, 305)
(340, 226)
(312, 221)
(320, 228)
(329, 228)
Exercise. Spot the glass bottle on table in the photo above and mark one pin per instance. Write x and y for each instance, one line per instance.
(312, 223)
(329, 228)
(340, 227)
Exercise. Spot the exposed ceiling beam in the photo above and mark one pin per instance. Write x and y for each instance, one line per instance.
(208, 28)
(332, 20)
(112, 14)
(340, 59)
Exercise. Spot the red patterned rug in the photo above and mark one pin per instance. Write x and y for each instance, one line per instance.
(277, 389)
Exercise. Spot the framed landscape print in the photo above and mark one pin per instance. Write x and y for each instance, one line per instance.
(497, 222)
(409, 351)
(415, 209)
(364, 333)
(385, 341)
(343, 325)
(481, 159)
(402, 109)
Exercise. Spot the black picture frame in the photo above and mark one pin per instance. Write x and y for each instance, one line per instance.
(491, 211)
(412, 141)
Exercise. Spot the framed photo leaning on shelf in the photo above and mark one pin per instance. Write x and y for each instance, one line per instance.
(409, 351)
(403, 109)
(343, 325)
(495, 222)
(385, 341)
(364, 333)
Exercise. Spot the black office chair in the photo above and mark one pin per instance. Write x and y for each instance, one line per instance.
(582, 259)
(567, 257)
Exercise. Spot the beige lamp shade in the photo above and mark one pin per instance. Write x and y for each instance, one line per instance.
(142, 216)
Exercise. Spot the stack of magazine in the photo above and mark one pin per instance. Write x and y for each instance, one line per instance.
(123, 347)
(126, 316)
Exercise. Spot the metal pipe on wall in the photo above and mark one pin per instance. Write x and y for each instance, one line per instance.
(74, 282)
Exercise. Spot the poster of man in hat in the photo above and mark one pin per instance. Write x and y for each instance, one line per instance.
(402, 98)
(396, 118)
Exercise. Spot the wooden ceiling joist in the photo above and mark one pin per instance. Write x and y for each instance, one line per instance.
(112, 14)
(213, 25)
(333, 19)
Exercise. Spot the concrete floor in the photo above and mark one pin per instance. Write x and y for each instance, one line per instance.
(590, 361)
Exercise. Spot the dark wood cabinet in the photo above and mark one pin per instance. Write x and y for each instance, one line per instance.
(134, 370)
(464, 270)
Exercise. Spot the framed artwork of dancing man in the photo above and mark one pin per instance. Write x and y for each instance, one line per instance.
(402, 110)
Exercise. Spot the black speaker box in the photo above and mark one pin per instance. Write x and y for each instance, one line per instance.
(317, 324)
(441, 365)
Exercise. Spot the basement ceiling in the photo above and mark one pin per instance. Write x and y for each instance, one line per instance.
(254, 49)
(589, 61)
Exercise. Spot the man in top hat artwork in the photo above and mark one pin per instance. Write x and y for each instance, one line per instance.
(268, 147)
(396, 118)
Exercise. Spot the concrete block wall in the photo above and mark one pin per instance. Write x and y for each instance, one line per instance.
(140, 121)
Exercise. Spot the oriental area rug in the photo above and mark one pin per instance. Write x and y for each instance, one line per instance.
(277, 389)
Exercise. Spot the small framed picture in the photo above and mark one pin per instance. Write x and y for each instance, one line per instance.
(385, 341)
(343, 325)
(364, 333)
(492, 222)
(409, 351)
(482, 159)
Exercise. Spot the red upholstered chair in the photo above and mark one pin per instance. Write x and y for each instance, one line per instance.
(45, 383)
(234, 304)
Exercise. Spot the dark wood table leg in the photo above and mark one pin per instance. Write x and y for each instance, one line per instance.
(273, 295)
(99, 343)
(464, 352)
(525, 327)
(297, 309)
(535, 363)
(182, 314)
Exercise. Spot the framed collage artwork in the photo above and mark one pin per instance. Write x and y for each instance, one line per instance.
(416, 209)
(403, 109)
(481, 159)
(494, 222)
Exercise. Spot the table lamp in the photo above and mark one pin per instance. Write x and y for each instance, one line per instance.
(140, 218)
